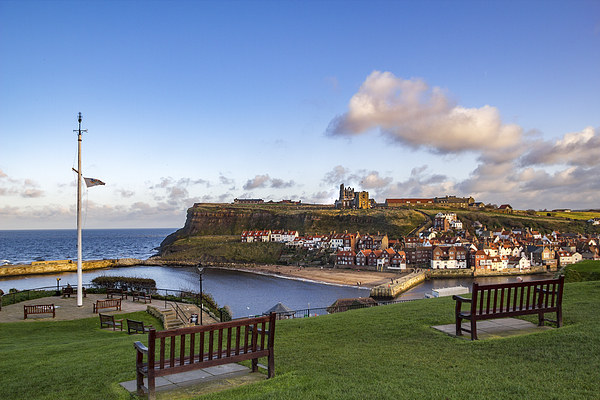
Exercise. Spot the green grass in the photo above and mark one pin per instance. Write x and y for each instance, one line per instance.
(222, 248)
(388, 352)
(587, 270)
(67, 359)
(579, 215)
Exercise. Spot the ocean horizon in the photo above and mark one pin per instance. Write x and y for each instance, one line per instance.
(29, 245)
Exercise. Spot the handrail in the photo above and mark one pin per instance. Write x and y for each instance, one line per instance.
(183, 318)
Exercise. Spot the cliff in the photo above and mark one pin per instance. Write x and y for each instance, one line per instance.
(232, 219)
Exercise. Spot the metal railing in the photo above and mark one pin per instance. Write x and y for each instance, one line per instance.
(318, 311)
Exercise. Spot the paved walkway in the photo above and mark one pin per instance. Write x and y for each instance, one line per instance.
(494, 328)
(203, 381)
(67, 309)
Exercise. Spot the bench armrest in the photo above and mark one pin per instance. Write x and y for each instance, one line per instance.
(140, 347)
(460, 299)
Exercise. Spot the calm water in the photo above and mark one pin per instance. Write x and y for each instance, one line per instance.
(23, 247)
(245, 294)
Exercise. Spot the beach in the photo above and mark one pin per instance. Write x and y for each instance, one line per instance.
(346, 277)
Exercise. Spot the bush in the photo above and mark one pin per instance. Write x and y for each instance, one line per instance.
(124, 282)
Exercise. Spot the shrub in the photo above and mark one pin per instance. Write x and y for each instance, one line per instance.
(124, 282)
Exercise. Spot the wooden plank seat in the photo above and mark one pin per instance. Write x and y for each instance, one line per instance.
(137, 327)
(39, 309)
(67, 291)
(141, 296)
(186, 349)
(509, 300)
(107, 304)
(109, 321)
(112, 293)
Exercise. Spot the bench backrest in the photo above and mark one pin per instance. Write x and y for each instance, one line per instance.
(135, 325)
(519, 297)
(215, 344)
(108, 303)
(41, 308)
(107, 318)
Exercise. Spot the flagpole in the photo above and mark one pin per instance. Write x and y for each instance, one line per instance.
(79, 268)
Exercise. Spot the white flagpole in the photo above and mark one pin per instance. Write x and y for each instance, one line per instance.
(79, 269)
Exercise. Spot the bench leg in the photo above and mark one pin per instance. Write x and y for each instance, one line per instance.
(559, 318)
(151, 387)
(473, 329)
(254, 364)
(541, 319)
(458, 326)
(271, 365)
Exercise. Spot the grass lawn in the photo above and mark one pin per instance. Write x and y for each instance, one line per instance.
(587, 270)
(387, 352)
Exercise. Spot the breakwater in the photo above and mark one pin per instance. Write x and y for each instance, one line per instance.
(54, 266)
(397, 286)
(401, 285)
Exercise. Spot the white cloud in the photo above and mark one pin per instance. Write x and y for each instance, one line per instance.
(263, 181)
(372, 180)
(259, 181)
(577, 148)
(336, 176)
(410, 112)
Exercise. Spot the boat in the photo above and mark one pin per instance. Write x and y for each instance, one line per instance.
(449, 291)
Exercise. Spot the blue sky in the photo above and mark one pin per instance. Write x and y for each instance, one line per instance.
(208, 101)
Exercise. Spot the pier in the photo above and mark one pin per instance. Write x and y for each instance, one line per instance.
(399, 285)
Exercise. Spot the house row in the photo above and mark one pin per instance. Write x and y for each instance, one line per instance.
(446, 221)
(381, 259)
(279, 236)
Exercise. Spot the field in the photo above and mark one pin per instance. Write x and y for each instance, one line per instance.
(387, 352)
(577, 215)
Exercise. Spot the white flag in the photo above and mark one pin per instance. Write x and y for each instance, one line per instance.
(89, 182)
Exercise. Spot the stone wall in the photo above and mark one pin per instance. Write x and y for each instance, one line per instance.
(397, 286)
(50, 267)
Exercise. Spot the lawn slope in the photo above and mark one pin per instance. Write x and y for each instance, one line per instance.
(387, 352)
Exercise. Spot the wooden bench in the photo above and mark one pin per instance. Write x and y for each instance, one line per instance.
(141, 296)
(511, 299)
(107, 304)
(137, 327)
(186, 349)
(110, 321)
(112, 293)
(69, 290)
(39, 309)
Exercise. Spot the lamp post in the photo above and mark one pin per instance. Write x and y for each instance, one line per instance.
(200, 272)
(57, 287)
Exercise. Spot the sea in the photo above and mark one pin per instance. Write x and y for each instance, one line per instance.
(26, 246)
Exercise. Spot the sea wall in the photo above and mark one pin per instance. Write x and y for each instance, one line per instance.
(397, 286)
(50, 267)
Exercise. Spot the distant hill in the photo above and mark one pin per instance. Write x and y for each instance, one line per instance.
(231, 219)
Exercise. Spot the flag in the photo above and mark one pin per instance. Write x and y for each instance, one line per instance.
(89, 182)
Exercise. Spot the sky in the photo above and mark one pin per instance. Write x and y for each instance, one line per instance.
(201, 101)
